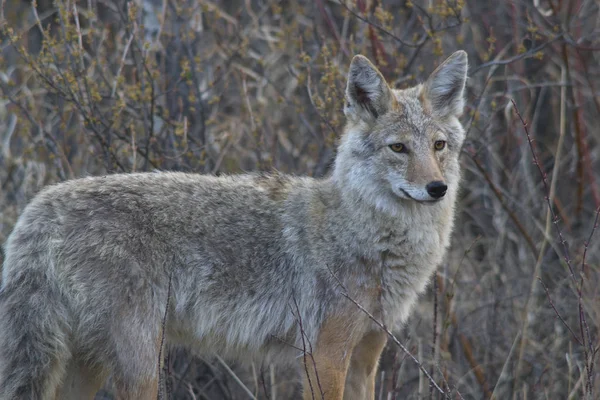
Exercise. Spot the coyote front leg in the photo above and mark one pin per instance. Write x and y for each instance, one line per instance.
(328, 364)
(360, 382)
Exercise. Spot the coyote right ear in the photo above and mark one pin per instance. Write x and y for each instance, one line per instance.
(367, 93)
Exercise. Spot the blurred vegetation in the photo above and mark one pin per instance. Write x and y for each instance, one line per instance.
(98, 86)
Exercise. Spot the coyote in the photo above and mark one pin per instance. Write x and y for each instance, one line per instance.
(250, 267)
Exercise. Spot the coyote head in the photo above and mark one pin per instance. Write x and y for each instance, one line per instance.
(402, 145)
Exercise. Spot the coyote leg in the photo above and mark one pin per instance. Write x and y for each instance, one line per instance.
(328, 365)
(81, 382)
(146, 391)
(360, 381)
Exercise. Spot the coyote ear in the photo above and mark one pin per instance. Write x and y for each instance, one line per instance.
(367, 93)
(444, 89)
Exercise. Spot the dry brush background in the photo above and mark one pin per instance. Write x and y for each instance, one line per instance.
(98, 86)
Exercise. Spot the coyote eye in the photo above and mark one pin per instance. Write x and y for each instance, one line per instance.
(398, 148)
(439, 145)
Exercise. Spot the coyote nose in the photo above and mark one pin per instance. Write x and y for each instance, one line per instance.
(436, 189)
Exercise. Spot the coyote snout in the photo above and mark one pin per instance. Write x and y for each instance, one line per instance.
(430, 192)
(419, 178)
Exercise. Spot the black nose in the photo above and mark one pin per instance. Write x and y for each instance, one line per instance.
(436, 189)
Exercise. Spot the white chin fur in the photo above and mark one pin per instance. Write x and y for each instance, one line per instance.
(405, 191)
(415, 194)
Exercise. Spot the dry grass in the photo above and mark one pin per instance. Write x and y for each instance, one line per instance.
(97, 86)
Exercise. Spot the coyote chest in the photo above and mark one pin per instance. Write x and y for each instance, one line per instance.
(408, 258)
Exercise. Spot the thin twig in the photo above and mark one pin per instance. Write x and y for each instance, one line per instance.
(557, 313)
(397, 342)
(434, 334)
(513, 59)
(540, 256)
(236, 378)
(125, 51)
(309, 352)
(162, 336)
(536, 162)
(380, 28)
(583, 325)
(388, 332)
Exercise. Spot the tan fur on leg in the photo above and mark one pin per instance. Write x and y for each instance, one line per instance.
(360, 381)
(81, 382)
(331, 356)
(144, 389)
(147, 391)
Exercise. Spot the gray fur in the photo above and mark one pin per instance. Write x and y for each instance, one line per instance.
(87, 266)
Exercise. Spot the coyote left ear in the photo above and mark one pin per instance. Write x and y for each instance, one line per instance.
(444, 90)
(367, 93)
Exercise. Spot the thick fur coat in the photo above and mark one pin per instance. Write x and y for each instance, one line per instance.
(256, 264)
